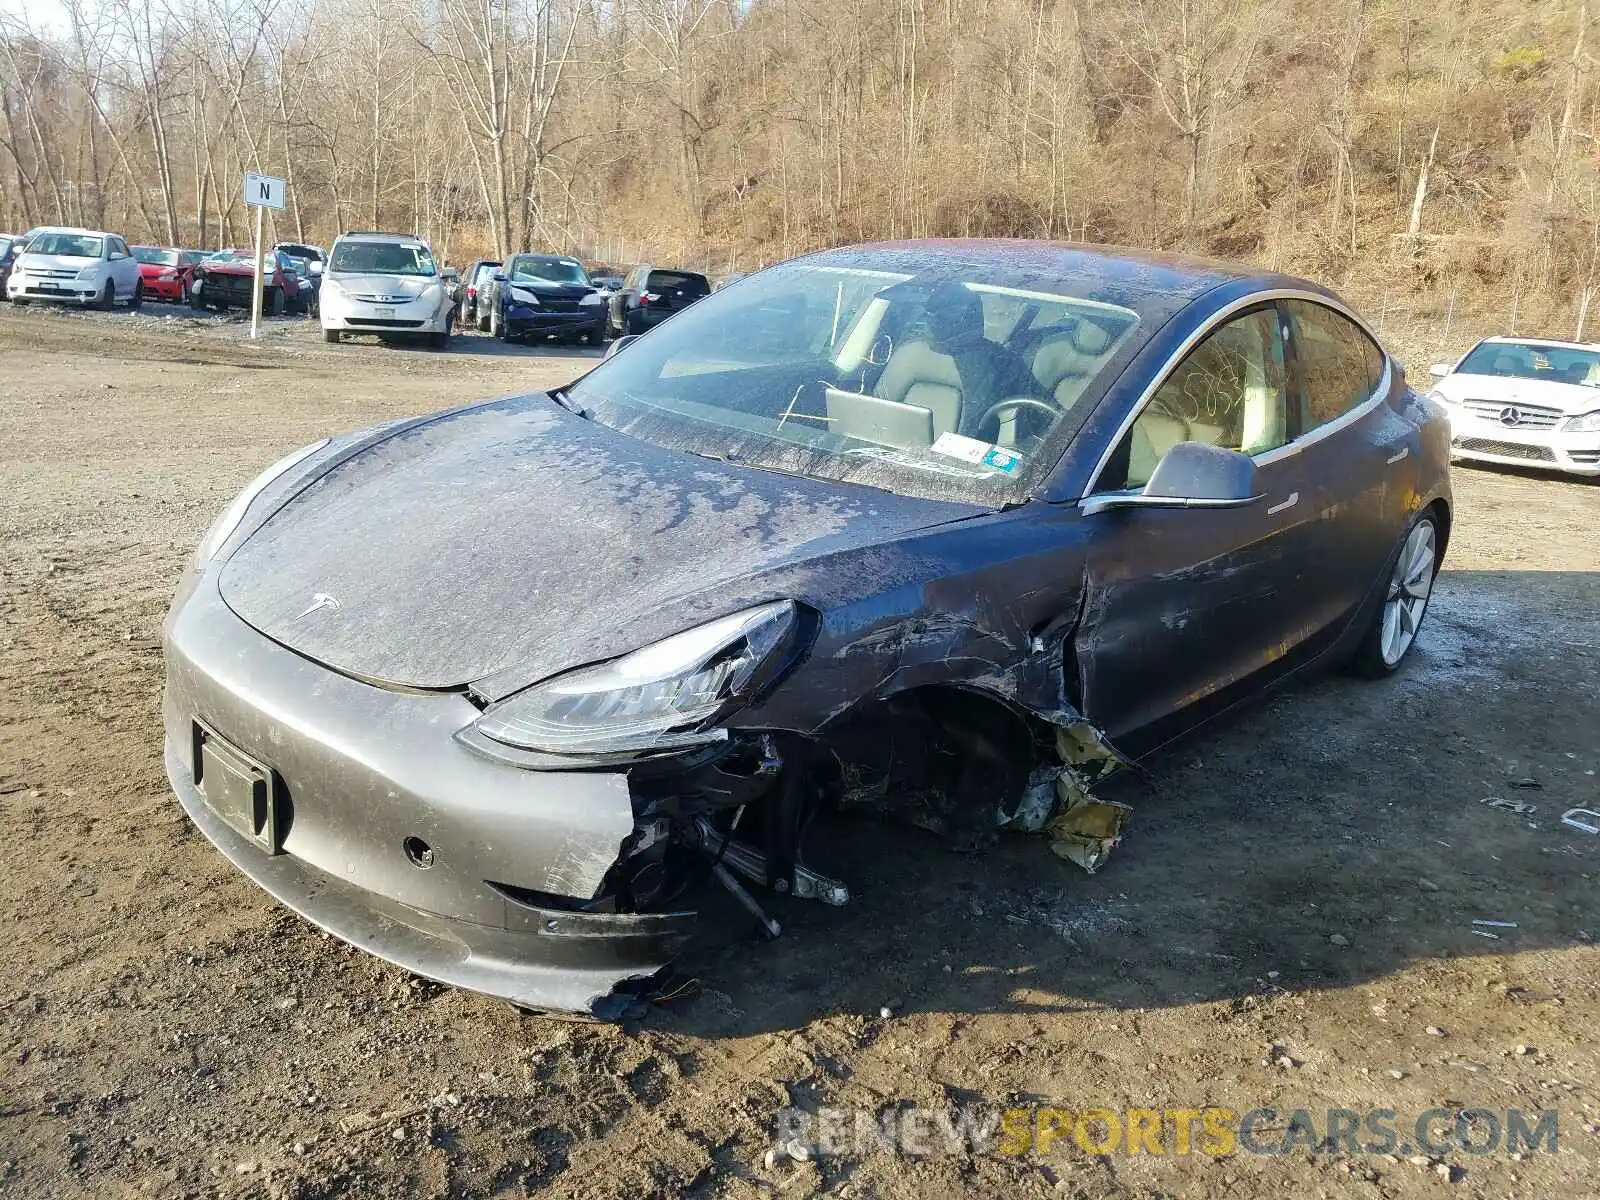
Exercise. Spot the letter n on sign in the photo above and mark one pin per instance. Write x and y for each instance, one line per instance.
(263, 191)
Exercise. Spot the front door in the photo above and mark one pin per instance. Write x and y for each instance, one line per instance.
(1182, 605)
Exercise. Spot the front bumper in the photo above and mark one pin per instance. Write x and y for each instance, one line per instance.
(35, 287)
(1479, 440)
(225, 291)
(361, 770)
(521, 320)
(359, 316)
(163, 289)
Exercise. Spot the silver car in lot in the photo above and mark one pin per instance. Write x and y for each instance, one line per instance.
(1526, 402)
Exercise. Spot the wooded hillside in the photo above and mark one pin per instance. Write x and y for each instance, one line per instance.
(1438, 158)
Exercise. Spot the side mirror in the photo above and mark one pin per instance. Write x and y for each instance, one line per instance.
(316, 268)
(1190, 475)
(1439, 370)
(619, 344)
(499, 277)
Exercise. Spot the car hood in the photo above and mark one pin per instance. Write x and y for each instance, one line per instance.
(517, 537)
(149, 269)
(53, 262)
(398, 287)
(550, 289)
(1570, 398)
(232, 268)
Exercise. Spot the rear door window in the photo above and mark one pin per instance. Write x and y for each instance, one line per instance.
(1340, 366)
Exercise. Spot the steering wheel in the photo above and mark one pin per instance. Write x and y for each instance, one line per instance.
(1006, 407)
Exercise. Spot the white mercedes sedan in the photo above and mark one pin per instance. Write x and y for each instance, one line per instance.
(1524, 402)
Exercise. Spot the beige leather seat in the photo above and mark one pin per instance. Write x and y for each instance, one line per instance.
(1154, 433)
(918, 374)
(1064, 364)
(952, 370)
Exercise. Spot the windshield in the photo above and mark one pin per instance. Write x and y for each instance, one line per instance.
(935, 385)
(154, 257)
(222, 257)
(67, 245)
(546, 268)
(1522, 360)
(381, 258)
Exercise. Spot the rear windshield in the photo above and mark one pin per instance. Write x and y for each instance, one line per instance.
(67, 245)
(156, 257)
(1522, 360)
(682, 281)
(382, 258)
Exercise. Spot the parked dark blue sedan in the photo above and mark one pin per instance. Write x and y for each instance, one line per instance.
(917, 527)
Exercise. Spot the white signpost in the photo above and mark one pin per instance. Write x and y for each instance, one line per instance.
(261, 192)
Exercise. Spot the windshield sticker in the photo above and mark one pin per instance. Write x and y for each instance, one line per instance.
(984, 454)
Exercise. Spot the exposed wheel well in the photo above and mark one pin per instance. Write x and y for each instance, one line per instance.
(1441, 511)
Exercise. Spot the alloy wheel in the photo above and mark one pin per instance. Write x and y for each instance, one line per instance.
(1409, 588)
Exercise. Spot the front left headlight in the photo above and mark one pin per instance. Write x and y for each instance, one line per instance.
(524, 297)
(671, 694)
(223, 527)
(1587, 423)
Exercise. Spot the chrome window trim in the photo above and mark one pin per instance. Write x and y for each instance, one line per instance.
(1221, 317)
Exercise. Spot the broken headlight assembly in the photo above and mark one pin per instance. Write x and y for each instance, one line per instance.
(667, 696)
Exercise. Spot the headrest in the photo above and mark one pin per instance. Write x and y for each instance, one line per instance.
(954, 317)
(1090, 338)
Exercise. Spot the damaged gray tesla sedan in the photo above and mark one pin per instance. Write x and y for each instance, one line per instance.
(944, 529)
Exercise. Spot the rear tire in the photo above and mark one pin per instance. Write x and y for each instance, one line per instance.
(497, 328)
(1408, 587)
(333, 336)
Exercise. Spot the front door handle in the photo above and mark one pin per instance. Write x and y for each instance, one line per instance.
(1397, 455)
(1287, 502)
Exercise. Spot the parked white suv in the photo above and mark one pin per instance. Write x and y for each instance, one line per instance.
(81, 266)
(1529, 402)
(387, 284)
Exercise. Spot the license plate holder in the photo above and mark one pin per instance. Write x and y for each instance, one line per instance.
(386, 314)
(241, 790)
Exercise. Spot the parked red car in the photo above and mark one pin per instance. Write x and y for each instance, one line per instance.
(224, 280)
(167, 274)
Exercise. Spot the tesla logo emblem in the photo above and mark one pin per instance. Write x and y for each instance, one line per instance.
(1511, 416)
(320, 601)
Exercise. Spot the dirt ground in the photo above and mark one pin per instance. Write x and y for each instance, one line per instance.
(1289, 915)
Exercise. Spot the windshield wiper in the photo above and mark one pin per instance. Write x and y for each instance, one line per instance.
(565, 400)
